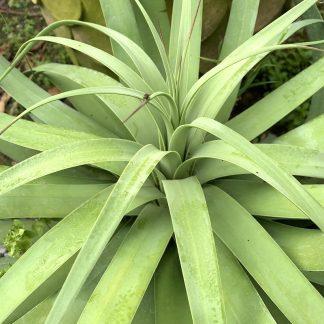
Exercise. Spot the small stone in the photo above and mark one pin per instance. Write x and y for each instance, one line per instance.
(3, 251)
(268, 11)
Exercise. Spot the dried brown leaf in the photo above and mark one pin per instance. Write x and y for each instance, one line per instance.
(3, 101)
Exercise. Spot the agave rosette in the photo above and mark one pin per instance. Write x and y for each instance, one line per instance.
(169, 213)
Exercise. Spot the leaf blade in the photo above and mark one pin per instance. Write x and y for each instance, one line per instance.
(285, 284)
(53, 249)
(266, 168)
(196, 248)
(125, 190)
(122, 286)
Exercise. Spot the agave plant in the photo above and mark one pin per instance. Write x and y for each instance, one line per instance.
(168, 213)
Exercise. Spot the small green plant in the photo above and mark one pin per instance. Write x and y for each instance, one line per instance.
(21, 235)
(165, 203)
(19, 238)
(18, 3)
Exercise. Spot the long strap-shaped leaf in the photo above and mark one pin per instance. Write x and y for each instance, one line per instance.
(171, 301)
(126, 74)
(264, 260)
(210, 161)
(159, 15)
(245, 306)
(58, 114)
(108, 110)
(99, 90)
(125, 23)
(212, 105)
(189, 39)
(304, 246)
(64, 157)
(152, 78)
(315, 32)
(105, 109)
(38, 314)
(45, 200)
(264, 167)
(129, 76)
(209, 93)
(53, 249)
(40, 137)
(149, 30)
(266, 36)
(144, 64)
(161, 47)
(48, 288)
(14, 152)
(125, 190)
(197, 249)
(122, 286)
(142, 61)
(279, 103)
(175, 34)
(258, 197)
(240, 27)
(307, 135)
(43, 137)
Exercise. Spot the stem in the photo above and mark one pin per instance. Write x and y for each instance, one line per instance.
(145, 100)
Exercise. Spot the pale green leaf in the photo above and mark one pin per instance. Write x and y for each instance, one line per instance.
(53, 249)
(158, 16)
(159, 40)
(38, 314)
(40, 137)
(305, 247)
(132, 179)
(258, 198)
(64, 157)
(210, 92)
(263, 167)
(122, 286)
(245, 306)
(268, 264)
(240, 27)
(216, 159)
(46, 289)
(107, 110)
(46, 200)
(315, 32)
(197, 251)
(279, 103)
(119, 15)
(28, 93)
(151, 132)
(15, 152)
(126, 74)
(143, 63)
(189, 38)
(308, 135)
(171, 301)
